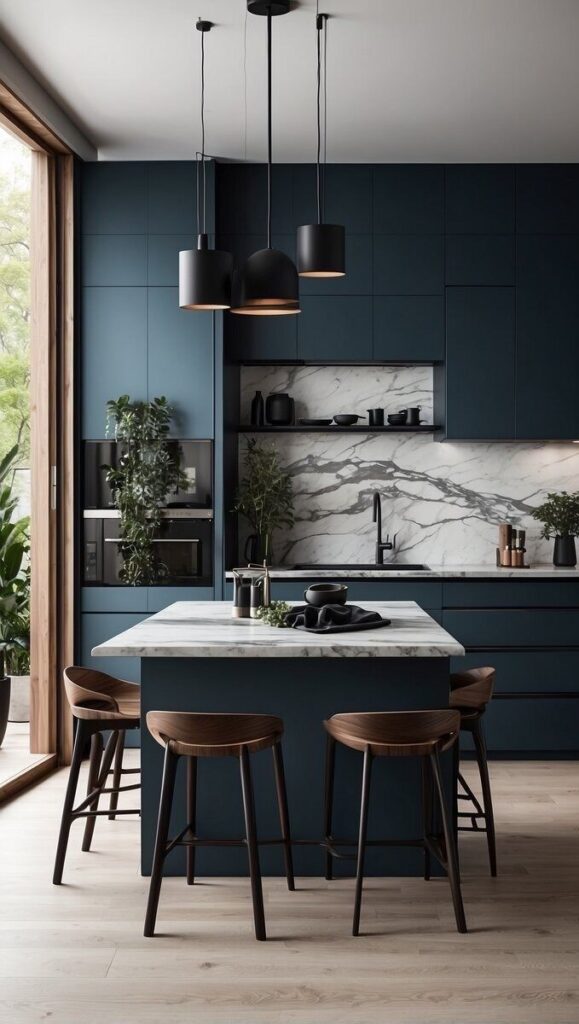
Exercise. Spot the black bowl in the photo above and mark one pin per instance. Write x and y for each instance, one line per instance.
(397, 419)
(347, 419)
(319, 594)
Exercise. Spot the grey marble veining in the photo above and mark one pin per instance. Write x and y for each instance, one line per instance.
(205, 629)
(444, 501)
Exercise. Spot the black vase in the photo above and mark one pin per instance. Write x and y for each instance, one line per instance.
(256, 415)
(564, 554)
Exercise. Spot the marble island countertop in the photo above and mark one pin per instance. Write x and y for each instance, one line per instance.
(205, 629)
(539, 571)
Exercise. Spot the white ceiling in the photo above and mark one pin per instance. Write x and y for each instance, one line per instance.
(408, 80)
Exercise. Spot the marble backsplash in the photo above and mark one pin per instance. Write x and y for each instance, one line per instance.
(443, 500)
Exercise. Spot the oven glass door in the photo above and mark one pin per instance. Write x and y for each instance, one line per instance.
(182, 547)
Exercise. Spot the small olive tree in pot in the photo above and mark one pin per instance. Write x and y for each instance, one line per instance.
(559, 515)
(265, 499)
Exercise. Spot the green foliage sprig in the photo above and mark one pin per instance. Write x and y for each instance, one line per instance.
(275, 614)
(559, 515)
(146, 471)
(14, 575)
(265, 495)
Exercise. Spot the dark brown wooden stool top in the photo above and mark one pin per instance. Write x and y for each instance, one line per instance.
(396, 733)
(193, 734)
(471, 690)
(95, 696)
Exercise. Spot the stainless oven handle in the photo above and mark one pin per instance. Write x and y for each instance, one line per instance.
(156, 540)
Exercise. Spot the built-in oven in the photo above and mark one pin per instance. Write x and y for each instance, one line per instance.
(183, 548)
(195, 459)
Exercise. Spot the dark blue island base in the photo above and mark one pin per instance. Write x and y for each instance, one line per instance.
(302, 692)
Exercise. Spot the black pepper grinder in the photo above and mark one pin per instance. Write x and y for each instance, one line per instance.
(256, 417)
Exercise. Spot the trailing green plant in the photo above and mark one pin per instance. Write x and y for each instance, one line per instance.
(275, 614)
(147, 470)
(265, 494)
(559, 515)
(14, 573)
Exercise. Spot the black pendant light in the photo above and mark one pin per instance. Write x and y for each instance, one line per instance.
(321, 247)
(204, 273)
(267, 284)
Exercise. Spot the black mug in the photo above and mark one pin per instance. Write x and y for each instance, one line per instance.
(413, 416)
(376, 417)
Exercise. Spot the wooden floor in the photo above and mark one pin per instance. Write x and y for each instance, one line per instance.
(76, 955)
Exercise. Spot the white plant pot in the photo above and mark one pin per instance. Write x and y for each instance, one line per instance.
(19, 710)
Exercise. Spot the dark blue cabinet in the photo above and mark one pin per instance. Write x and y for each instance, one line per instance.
(408, 265)
(480, 363)
(547, 337)
(114, 198)
(408, 328)
(479, 199)
(337, 328)
(480, 260)
(408, 199)
(548, 199)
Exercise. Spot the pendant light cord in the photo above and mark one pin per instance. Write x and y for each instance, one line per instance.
(325, 18)
(319, 117)
(201, 205)
(269, 147)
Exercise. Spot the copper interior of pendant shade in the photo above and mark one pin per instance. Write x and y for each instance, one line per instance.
(322, 273)
(266, 311)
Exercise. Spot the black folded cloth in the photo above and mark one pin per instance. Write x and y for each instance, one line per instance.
(333, 618)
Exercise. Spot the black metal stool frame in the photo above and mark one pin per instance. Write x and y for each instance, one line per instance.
(472, 723)
(188, 838)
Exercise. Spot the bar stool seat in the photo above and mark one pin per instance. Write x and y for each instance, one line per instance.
(192, 735)
(99, 703)
(424, 734)
(470, 693)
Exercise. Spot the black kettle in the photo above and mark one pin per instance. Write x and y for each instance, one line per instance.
(279, 410)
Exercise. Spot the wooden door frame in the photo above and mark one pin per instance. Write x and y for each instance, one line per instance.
(53, 510)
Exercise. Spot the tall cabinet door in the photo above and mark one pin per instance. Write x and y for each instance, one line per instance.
(480, 363)
(547, 337)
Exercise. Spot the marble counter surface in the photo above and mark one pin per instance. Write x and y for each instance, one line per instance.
(205, 629)
(537, 572)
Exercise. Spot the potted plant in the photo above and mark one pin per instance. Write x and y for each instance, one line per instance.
(559, 515)
(14, 583)
(265, 499)
(146, 471)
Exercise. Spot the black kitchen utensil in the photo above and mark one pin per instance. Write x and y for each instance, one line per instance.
(314, 423)
(256, 414)
(413, 416)
(347, 419)
(279, 410)
(397, 419)
(376, 417)
(320, 594)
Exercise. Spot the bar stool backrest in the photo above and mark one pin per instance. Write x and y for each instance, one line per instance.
(213, 735)
(90, 691)
(395, 733)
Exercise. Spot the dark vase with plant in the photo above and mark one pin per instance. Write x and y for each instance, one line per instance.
(147, 470)
(14, 586)
(265, 499)
(559, 515)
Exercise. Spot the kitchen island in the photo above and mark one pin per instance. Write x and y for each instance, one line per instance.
(196, 657)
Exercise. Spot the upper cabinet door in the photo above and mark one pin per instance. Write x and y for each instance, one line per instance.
(408, 328)
(548, 199)
(480, 363)
(335, 329)
(479, 199)
(547, 337)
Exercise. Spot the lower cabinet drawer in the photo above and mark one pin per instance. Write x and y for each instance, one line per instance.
(541, 726)
(520, 627)
(526, 671)
(511, 593)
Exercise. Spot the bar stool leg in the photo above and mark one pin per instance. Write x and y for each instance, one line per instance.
(283, 814)
(96, 753)
(66, 820)
(452, 865)
(481, 756)
(426, 811)
(117, 773)
(165, 805)
(329, 800)
(191, 815)
(101, 781)
(366, 774)
(252, 848)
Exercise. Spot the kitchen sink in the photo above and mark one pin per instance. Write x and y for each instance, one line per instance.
(388, 567)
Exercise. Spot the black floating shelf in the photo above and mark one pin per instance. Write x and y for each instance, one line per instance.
(424, 428)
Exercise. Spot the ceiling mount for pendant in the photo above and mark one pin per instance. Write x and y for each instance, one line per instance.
(204, 273)
(273, 7)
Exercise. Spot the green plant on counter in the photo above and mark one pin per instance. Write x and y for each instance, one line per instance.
(14, 575)
(275, 614)
(559, 515)
(146, 471)
(265, 495)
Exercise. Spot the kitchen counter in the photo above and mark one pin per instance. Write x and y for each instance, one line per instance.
(195, 657)
(541, 572)
(206, 629)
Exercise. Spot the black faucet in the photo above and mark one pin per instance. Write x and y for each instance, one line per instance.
(381, 546)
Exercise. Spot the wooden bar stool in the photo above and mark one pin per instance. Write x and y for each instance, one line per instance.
(99, 703)
(470, 692)
(190, 735)
(424, 734)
